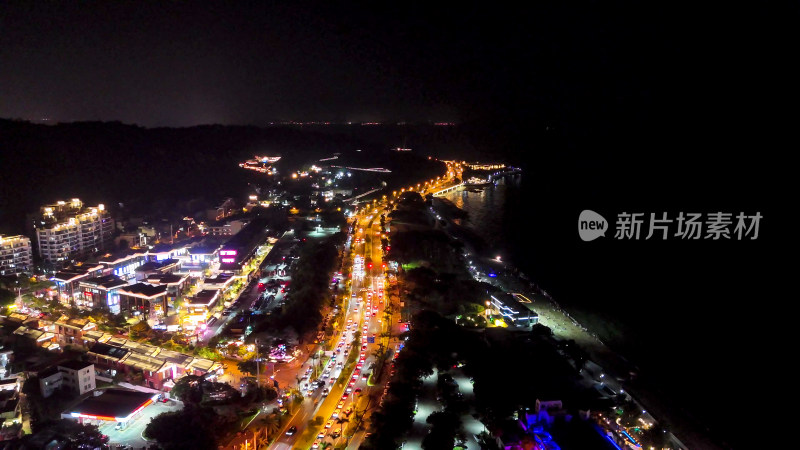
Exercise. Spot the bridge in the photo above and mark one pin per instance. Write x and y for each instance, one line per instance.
(370, 169)
(354, 200)
(447, 189)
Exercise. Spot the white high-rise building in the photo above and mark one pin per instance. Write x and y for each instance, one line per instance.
(68, 230)
(15, 255)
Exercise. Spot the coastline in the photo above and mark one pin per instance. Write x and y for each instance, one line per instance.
(564, 326)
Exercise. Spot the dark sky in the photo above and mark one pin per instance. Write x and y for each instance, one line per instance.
(184, 63)
(177, 63)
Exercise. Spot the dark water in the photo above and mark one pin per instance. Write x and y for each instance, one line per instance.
(676, 309)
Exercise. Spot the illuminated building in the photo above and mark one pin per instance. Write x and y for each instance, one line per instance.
(227, 229)
(200, 305)
(141, 298)
(225, 209)
(68, 230)
(15, 255)
(124, 264)
(71, 331)
(165, 266)
(513, 312)
(68, 282)
(113, 405)
(100, 292)
(74, 376)
(159, 366)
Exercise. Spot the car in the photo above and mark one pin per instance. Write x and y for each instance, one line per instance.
(352, 383)
(291, 431)
(358, 390)
(340, 405)
(364, 347)
(316, 443)
(344, 396)
(329, 424)
(364, 376)
(348, 411)
(325, 392)
(335, 413)
(320, 435)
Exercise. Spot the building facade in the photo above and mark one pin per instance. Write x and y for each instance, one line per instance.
(75, 376)
(15, 255)
(67, 230)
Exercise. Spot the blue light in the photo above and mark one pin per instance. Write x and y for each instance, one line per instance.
(492, 275)
(630, 438)
(612, 442)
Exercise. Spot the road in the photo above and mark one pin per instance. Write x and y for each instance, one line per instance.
(367, 291)
(366, 305)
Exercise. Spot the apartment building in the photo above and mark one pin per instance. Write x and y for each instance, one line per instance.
(15, 255)
(74, 376)
(66, 230)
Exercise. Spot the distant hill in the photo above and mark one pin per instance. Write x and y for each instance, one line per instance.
(114, 162)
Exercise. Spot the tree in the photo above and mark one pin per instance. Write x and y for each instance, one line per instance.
(247, 367)
(78, 436)
(188, 389)
(271, 424)
(341, 421)
(188, 428)
(6, 297)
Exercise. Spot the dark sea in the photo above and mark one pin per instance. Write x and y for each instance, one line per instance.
(678, 310)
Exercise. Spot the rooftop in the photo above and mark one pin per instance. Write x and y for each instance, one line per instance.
(108, 351)
(144, 290)
(106, 282)
(75, 365)
(167, 278)
(113, 403)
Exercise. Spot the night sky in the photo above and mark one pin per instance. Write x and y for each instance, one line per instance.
(186, 63)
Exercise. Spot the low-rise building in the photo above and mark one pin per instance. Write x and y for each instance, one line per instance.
(68, 281)
(513, 312)
(174, 283)
(10, 408)
(77, 377)
(142, 298)
(123, 263)
(71, 331)
(164, 266)
(158, 366)
(100, 292)
(230, 228)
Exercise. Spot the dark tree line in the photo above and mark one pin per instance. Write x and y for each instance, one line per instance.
(310, 288)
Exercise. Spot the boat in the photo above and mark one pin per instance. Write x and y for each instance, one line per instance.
(476, 182)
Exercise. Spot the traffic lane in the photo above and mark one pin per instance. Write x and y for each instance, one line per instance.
(300, 420)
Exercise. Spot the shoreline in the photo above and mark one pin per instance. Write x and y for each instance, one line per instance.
(564, 326)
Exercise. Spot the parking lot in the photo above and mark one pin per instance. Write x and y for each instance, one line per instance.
(132, 434)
